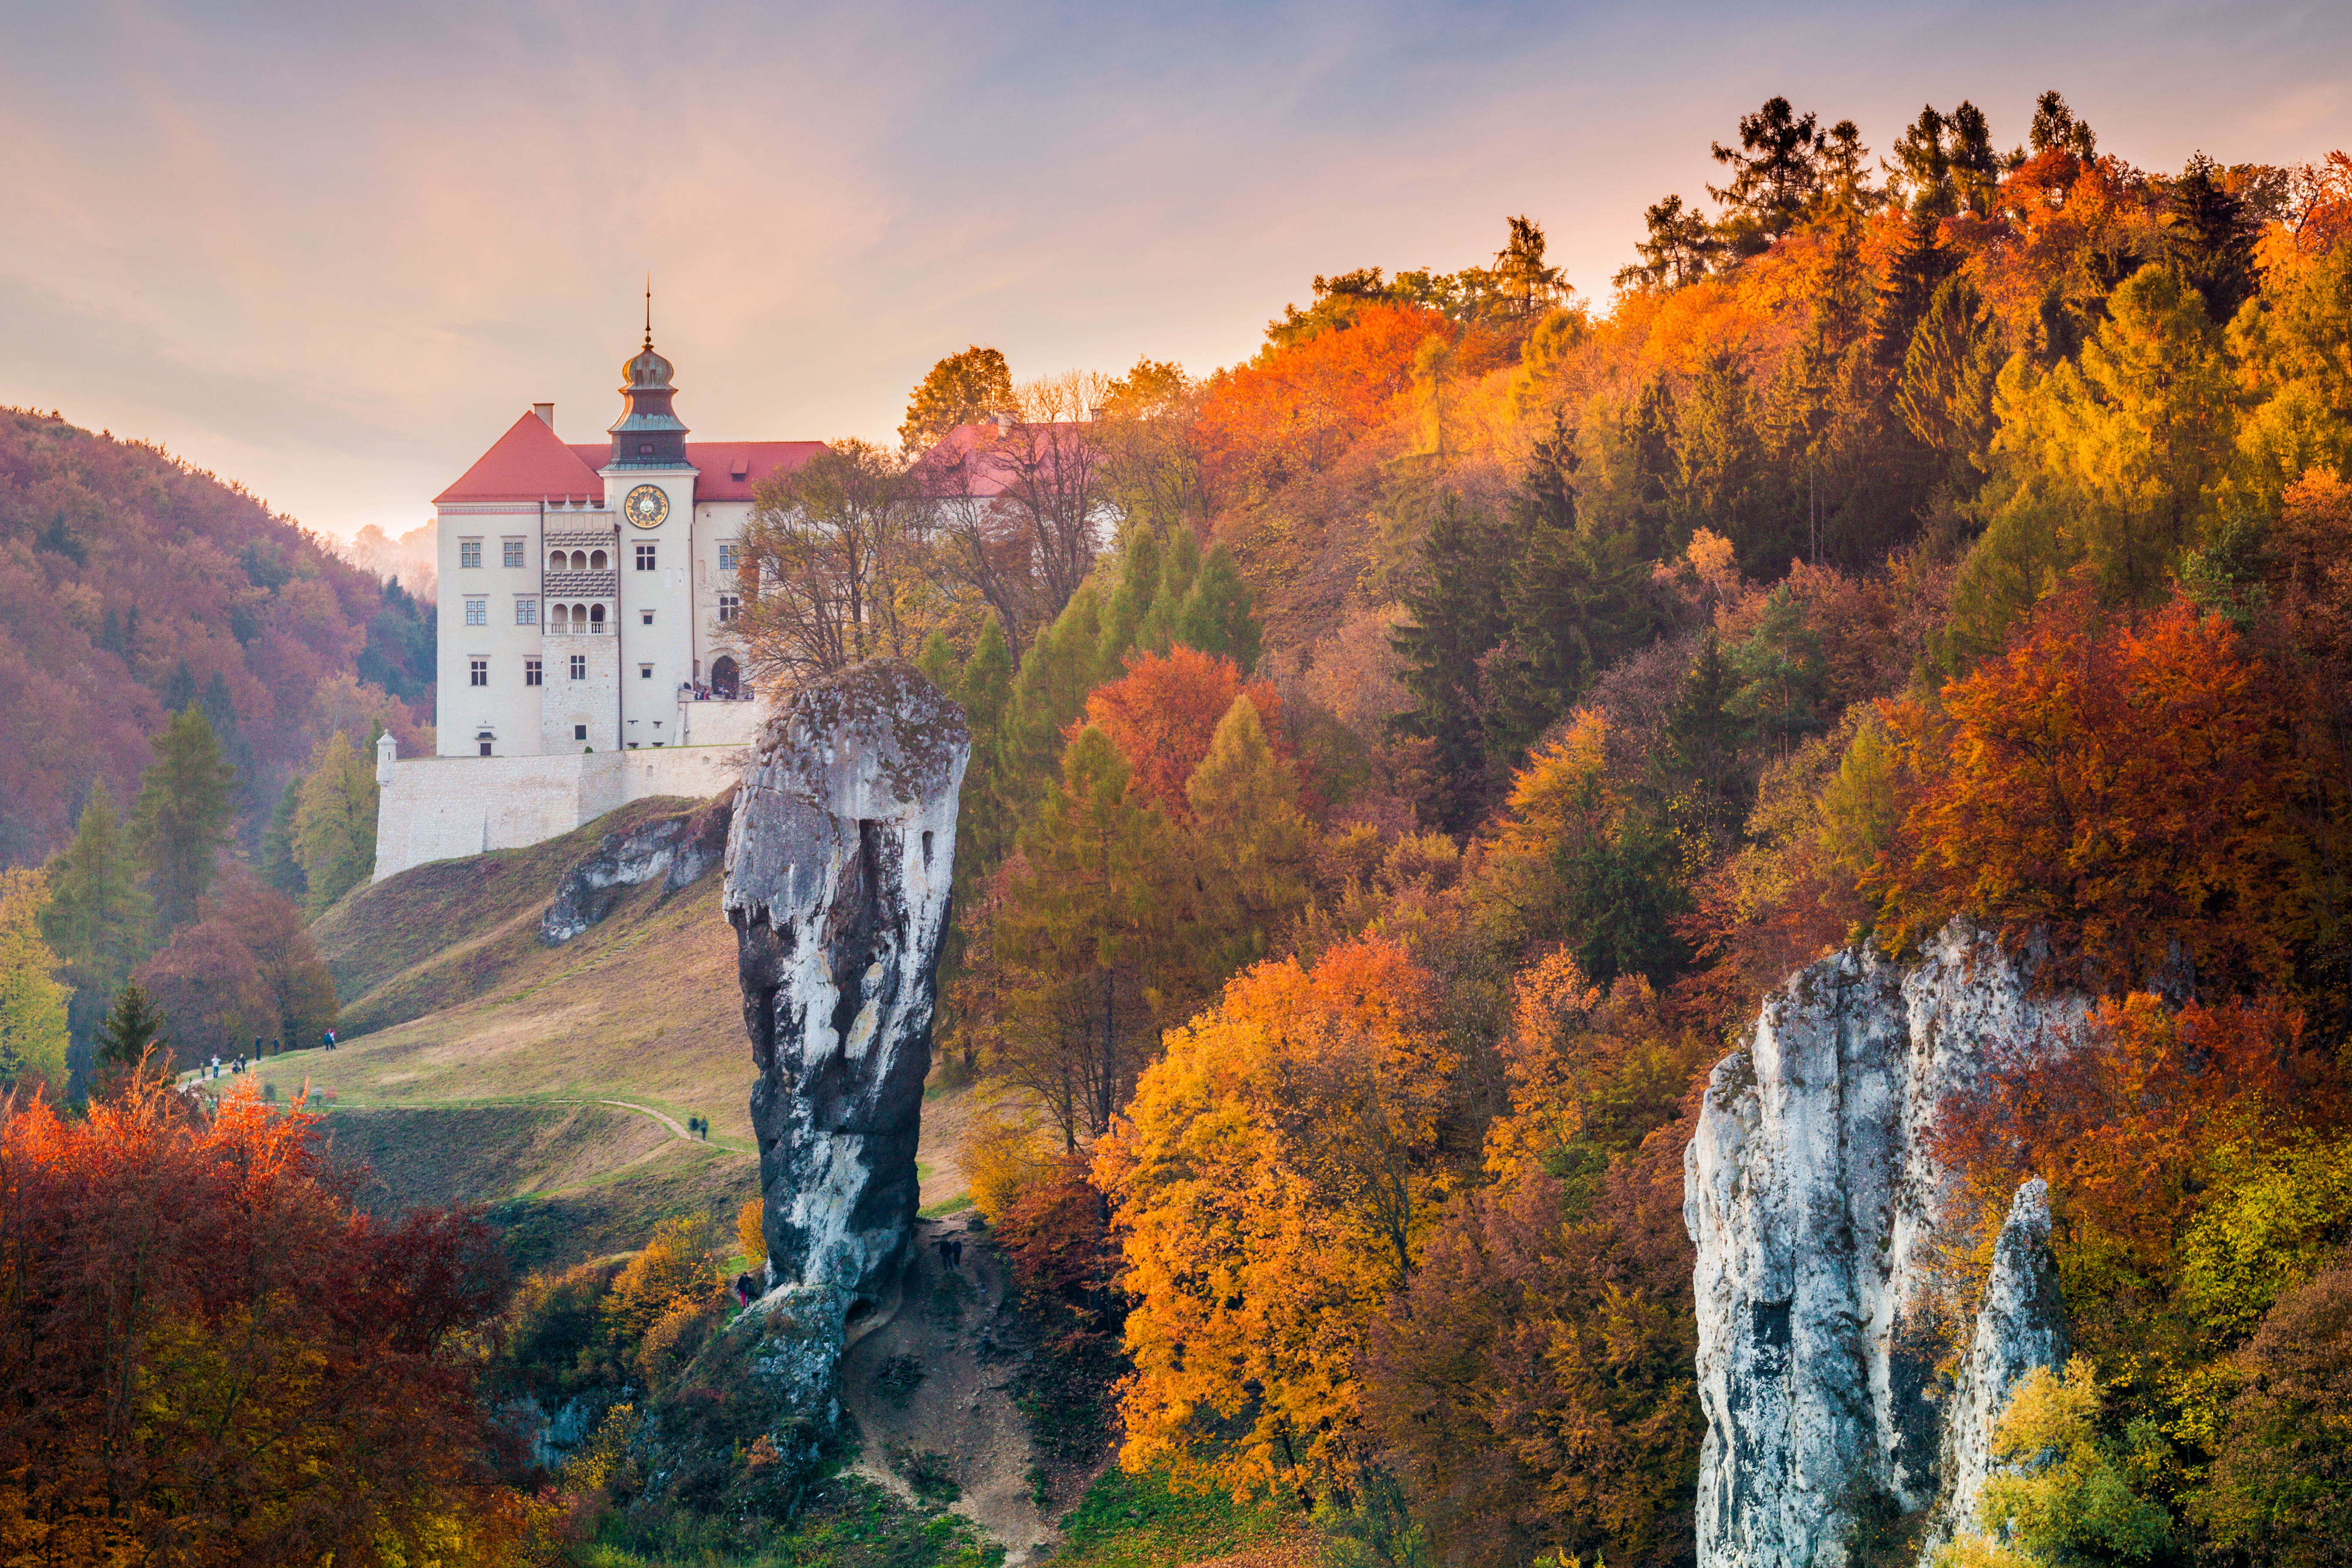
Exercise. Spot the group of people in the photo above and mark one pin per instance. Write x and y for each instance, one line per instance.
(236, 1063)
(701, 693)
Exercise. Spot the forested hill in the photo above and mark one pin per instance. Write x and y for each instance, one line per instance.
(132, 584)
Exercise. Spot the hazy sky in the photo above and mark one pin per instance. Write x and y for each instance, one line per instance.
(332, 250)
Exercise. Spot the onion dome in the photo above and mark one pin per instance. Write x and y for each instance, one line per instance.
(649, 434)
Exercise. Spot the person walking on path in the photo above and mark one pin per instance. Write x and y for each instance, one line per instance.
(745, 1288)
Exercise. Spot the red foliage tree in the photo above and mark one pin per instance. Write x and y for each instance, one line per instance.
(210, 1357)
(2125, 787)
(1163, 712)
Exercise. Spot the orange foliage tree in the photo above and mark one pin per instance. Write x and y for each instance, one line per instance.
(1272, 1183)
(2125, 786)
(1293, 411)
(2122, 1121)
(212, 1358)
(1162, 714)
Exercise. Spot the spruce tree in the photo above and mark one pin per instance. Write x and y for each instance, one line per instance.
(1459, 616)
(2211, 232)
(220, 712)
(1913, 275)
(1180, 564)
(181, 821)
(279, 869)
(1215, 615)
(130, 1027)
(179, 688)
(1697, 772)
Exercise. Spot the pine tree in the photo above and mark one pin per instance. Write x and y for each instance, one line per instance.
(334, 823)
(1913, 275)
(33, 1036)
(1577, 598)
(1252, 844)
(130, 1028)
(1215, 615)
(279, 869)
(181, 821)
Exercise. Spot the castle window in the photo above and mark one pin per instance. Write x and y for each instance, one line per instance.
(485, 748)
(469, 552)
(526, 612)
(579, 667)
(596, 562)
(559, 619)
(645, 557)
(727, 557)
(645, 672)
(478, 612)
(511, 552)
(644, 617)
(729, 607)
(531, 672)
(556, 560)
(595, 619)
(479, 674)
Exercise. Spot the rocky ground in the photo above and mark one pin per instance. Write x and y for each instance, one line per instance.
(927, 1376)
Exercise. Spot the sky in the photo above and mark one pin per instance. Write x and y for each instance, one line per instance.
(331, 252)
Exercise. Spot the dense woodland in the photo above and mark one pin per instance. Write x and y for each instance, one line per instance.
(1403, 759)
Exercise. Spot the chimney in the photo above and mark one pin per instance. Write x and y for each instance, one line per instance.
(546, 412)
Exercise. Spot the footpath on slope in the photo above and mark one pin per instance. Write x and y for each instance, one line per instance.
(927, 1378)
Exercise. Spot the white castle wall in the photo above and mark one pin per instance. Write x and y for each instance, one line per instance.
(439, 808)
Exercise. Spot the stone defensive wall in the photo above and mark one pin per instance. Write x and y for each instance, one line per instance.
(438, 808)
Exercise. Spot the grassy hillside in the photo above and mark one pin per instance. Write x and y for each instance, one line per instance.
(553, 1084)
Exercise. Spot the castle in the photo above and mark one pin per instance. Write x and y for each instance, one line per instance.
(584, 651)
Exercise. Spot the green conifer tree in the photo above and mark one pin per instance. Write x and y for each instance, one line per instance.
(97, 917)
(1180, 564)
(130, 1027)
(1050, 690)
(1087, 933)
(1251, 844)
(1131, 602)
(181, 821)
(1459, 614)
(279, 869)
(1215, 615)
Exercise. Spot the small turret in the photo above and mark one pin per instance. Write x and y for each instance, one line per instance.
(648, 435)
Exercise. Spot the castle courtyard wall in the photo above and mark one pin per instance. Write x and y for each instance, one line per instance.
(439, 808)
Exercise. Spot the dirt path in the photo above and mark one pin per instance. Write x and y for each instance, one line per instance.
(928, 1388)
(665, 1120)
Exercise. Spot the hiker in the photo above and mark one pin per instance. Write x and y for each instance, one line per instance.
(216, 1072)
(256, 1048)
(745, 1288)
(955, 1247)
(947, 1253)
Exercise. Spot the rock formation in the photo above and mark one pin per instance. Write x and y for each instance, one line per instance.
(838, 869)
(1814, 1204)
(678, 849)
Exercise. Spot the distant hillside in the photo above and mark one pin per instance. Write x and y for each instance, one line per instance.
(130, 584)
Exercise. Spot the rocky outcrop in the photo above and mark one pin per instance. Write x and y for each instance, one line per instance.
(838, 871)
(677, 849)
(1825, 1296)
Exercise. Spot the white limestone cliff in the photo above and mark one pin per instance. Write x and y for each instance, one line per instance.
(1814, 1204)
(838, 862)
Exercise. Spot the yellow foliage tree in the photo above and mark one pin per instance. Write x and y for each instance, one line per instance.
(32, 1003)
(1273, 1180)
(334, 822)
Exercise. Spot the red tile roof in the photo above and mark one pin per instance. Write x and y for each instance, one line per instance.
(729, 469)
(526, 464)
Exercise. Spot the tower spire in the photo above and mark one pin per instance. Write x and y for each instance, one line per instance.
(649, 310)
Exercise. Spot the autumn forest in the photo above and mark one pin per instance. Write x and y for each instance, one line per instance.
(1403, 761)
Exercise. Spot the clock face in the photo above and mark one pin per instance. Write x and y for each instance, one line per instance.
(647, 506)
